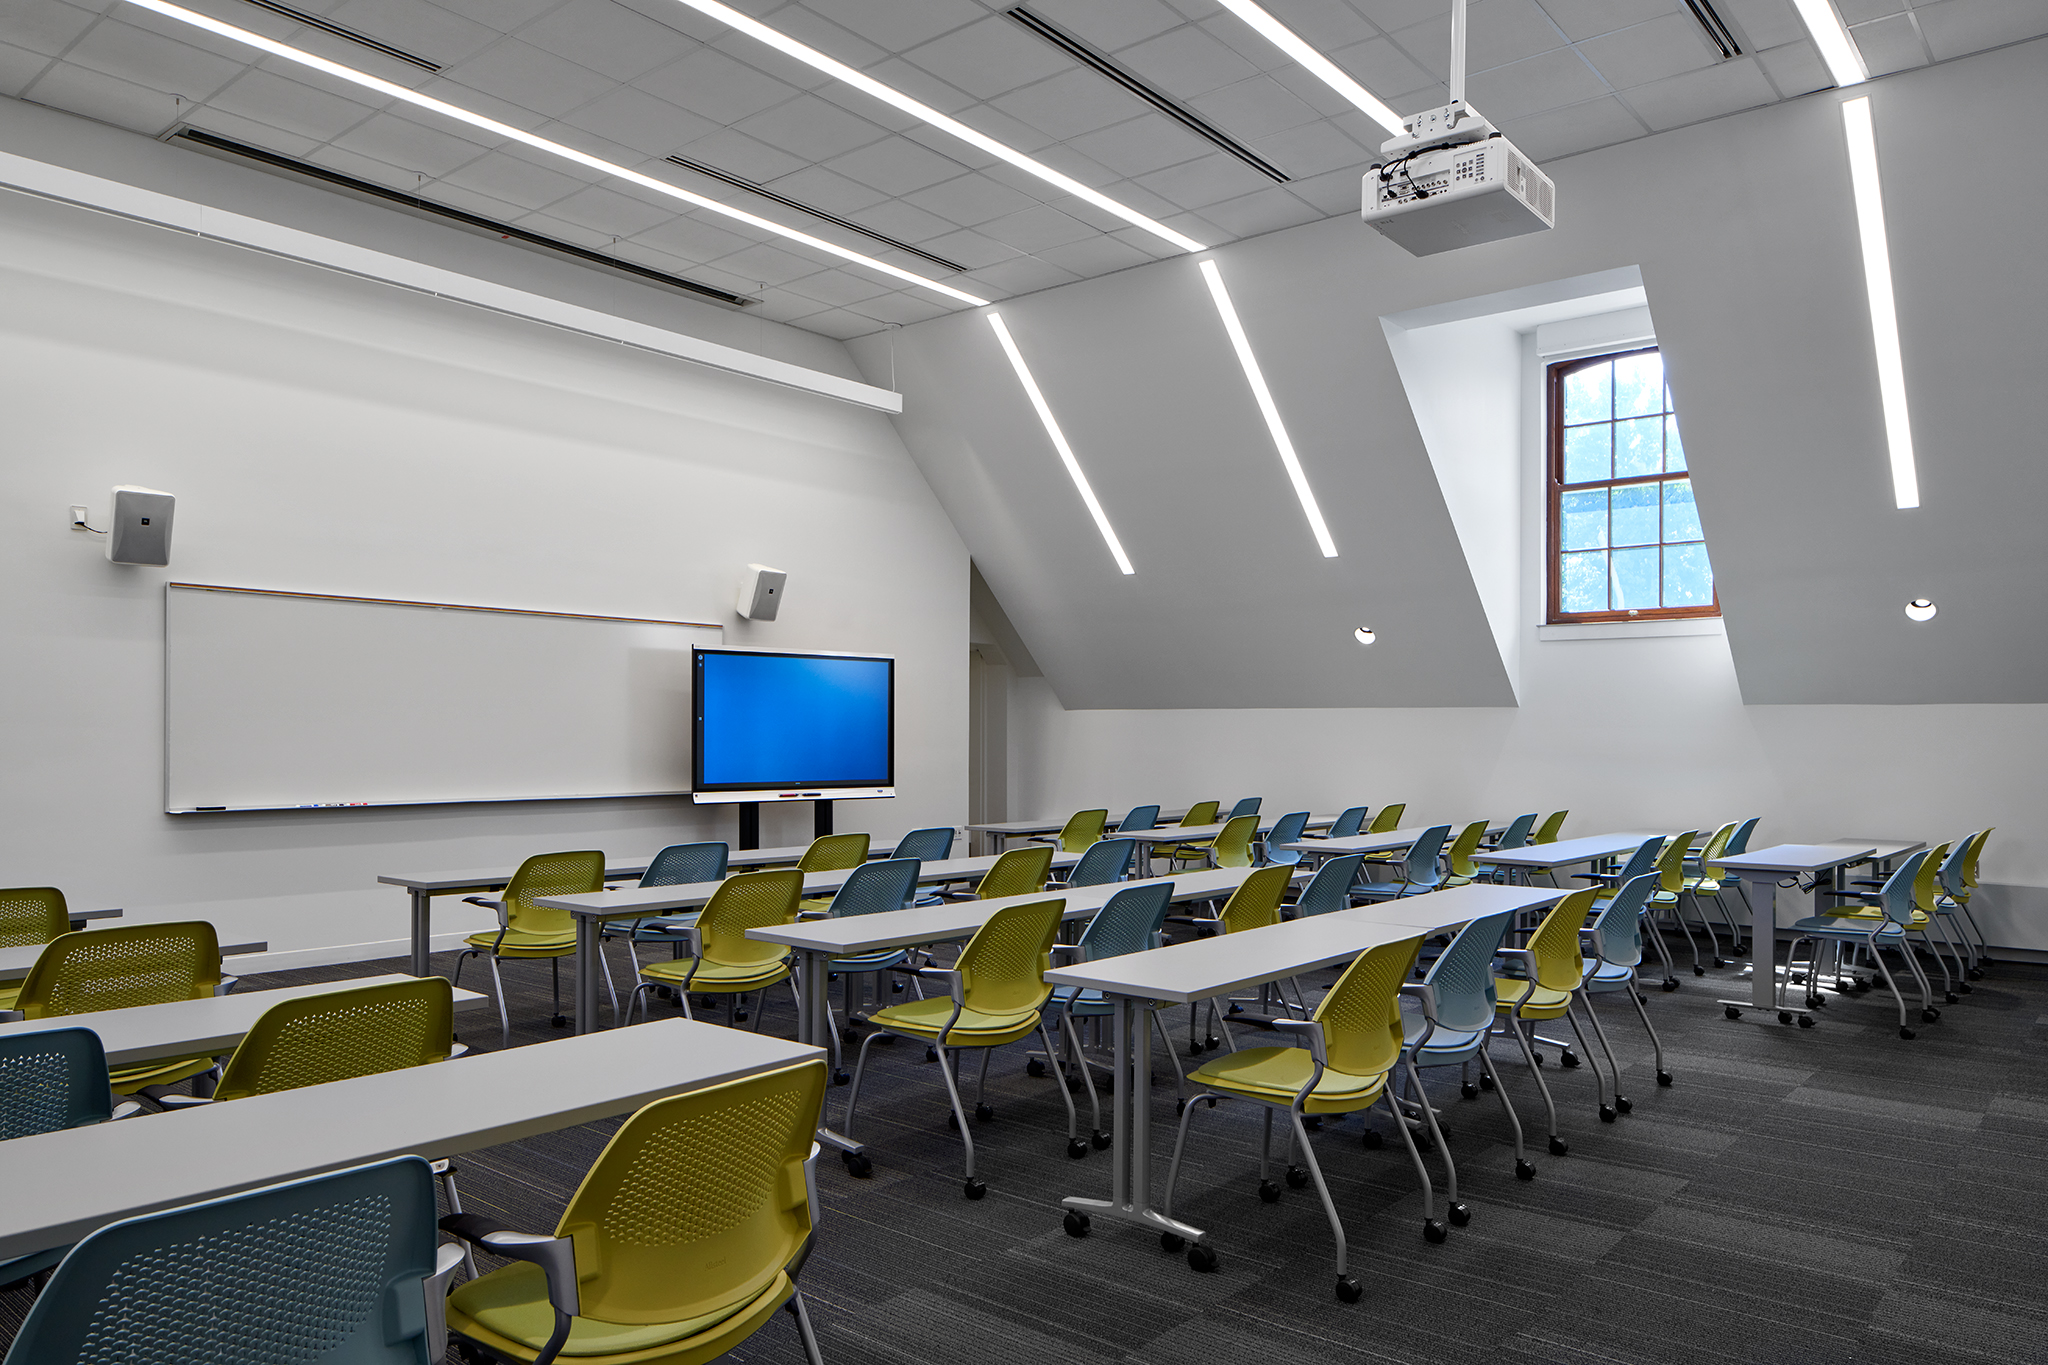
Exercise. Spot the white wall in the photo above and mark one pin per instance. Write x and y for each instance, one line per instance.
(327, 434)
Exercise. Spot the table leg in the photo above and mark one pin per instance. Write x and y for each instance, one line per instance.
(589, 943)
(1130, 1150)
(422, 929)
(1763, 945)
(814, 1026)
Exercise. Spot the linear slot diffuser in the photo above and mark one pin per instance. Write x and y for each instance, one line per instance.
(365, 187)
(1716, 28)
(340, 31)
(752, 188)
(1106, 66)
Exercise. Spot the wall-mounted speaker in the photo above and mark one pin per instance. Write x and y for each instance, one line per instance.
(141, 533)
(761, 592)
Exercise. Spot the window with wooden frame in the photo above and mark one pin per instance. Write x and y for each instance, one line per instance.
(1624, 534)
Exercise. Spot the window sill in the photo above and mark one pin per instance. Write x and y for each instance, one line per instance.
(1633, 630)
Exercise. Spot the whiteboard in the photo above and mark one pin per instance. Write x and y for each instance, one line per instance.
(276, 700)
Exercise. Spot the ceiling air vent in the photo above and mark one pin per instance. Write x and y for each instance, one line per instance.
(751, 187)
(342, 31)
(1716, 28)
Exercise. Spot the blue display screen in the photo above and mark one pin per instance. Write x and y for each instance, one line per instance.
(793, 720)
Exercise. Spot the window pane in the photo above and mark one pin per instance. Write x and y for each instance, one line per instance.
(1681, 514)
(1638, 447)
(1582, 585)
(1582, 520)
(1635, 516)
(1638, 385)
(1586, 394)
(1634, 579)
(1688, 578)
(1674, 453)
(1586, 453)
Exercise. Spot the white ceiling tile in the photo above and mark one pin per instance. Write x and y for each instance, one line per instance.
(375, 171)
(1649, 52)
(1019, 275)
(1197, 227)
(684, 20)
(867, 108)
(811, 128)
(771, 62)
(428, 31)
(471, 202)
(709, 83)
(1241, 38)
(1141, 146)
(1309, 89)
(1384, 69)
(836, 287)
(1763, 23)
(529, 77)
(692, 238)
(47, 27)
(1147, 202)
(771, 265)
(1582, 19)
(515, 180)
(920, 85)
(1037, 227)
(702, 273)
(809, 27)
(1186, 62)
(1697, 95)
(268, 98)
(1501, 31)
(1269, 210)
(562, 230)
(1334, 192)
(609, 212)
(502, 15)
(1795, 69)
(1197, 9)
(895, 25)
(969, 248)
(463, 96)
(1542, 82)
(904, 308)
(633, 118)
(968, 200)
(1206, 180)
(148, 59)
(827, 190)
(406, 144)
(606, 38)
(106, 98)
(1067, 106)
(1574, 128)
(1255, 108)
(839, 324)
(743, 156)
(1110, 27)
(1323, 25)
(1394, 15)
(896, 166)
(989, 58)
(1313, 149)
(1012, 132)
(1095, 255)
(904, 222)
(1956, 27)
(1890, 45)
(1863, 11)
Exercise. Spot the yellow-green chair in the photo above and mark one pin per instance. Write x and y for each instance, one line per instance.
(1354, 1042)
(1020, 872)
(29, 915)
(996, 995)
(1670, 868)
(1233, 846)
(526, 930)
(722, 959)
(1253, 905)
(682, 1241)
(1200, 814)
(1926, 915)
(115, 969)
(1083, 828)
(832, 853)
(1388, 819)
(1463, 871)
(1704, 884)
(1552, 826)
(1555, 970)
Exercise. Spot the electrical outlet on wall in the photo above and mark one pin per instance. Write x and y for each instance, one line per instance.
(78, 517)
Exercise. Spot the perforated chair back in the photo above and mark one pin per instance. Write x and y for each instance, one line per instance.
(883, 885)
(749, 900)
(933, 845)
(1927, 885)
(1286, 830)
(324, 1271)
(1671, 862)
(1897, 891)
(1717, 847)
(1952, 869)
(1644, 859)
(1361, 1016)
(551, 874)
(342, 1034)
(1618, 928)
(1419, 867)
(1002, 968)
(1348, 822)
(30, 915)
(683, 864)
(1233, 846)
(1328, 889)
(1107, 860)
(51, 1080)
(1462, 975)
(1248, 806)
(1256, 902)
(1083, 828)
(1459, 854)
(1388, 818)
(834, 853)
(1128, 922)
(1201, 813)
(1552, 826)
(1019, 872)
(1559, 964)
(117, 969)
(1138, 818)
(1516, 835)
(1976, 850)
(1738, 842)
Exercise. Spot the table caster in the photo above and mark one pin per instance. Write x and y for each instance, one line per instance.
(1297, 1178)
(1348, 1289)
(1075, 1223)
(975, 1189)
(1524, 1169)
(1461, 1215)
(1558, 1146)
(1734, 1013)
(1201, 1259)
(1077, 1147)
(1434, 1232)
(1806, 1021)
(857, 1164)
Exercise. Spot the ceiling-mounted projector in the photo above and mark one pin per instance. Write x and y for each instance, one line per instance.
(1451, 179)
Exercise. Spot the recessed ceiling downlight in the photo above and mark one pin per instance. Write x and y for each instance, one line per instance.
(1364, 635)
(1920, 609)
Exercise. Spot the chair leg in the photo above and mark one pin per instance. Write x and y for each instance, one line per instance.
(803, 1328)
(1656, 1043)
(1557, 1144)
(1877, 956)
(611, 987)
(1072, 1035)
(1621, 1102)
(1180, 1142)
(1649, 923)
(1524, 1169)
(1180, 1079)
(445, 1169)
(1459, 1214)
(1431, 1228)
(860, 1067)
(504, 1016)
(1571, 1016)
(1347, 1288)
(959, 1113)
(1066, 1096)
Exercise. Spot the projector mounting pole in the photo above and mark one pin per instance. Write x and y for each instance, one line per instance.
(1457, 50)
(821, 818)
(750, 824)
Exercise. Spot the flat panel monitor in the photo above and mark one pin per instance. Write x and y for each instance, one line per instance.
(786, 726)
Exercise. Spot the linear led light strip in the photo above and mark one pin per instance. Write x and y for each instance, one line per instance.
(1884, 313)
(1264, 396)
(1837, 49)
(1059, 443)
(1327, 71)
(413, 97)
(810, 56)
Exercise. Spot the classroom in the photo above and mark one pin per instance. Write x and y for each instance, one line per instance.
(1007, 681)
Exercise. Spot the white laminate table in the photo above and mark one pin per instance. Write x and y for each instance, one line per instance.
(1386, 841)
(592, 910)
(1202, 969)
(15, 962)
(86, 1178)
(1550, 857)
(996, 833)
(194, 1028)
(1765, 868)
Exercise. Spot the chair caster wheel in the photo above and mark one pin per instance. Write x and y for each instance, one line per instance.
(895, 988)
(1664, 1078)
(858, 1164)
(739, 1016)
(1034, 1067)
(1212, 1042)
(984, 1112)
(1171, 1241)
(1194, 1049)
(1698, 970)
(1806, 1021)
(1950, 998)
(1975, 973)
(974, 1189)
(1929, 1016)
(1524, 1170)
(841, 1077)
(1965, 987)
(1434, 1232)
(1558, 1147)
(1314, 1123)
(1607, 1113)
(1908, 1034)
(1074, 1085)
(1486, 1082)
(1297, 1178)
(665, 992)
(1623, 1104)
(952, 1120)
(1568, 1058)
(1201, 1259)
(1734, 1013)
(1349, 1290)
(1718, 964)
(1235, 1009)
(1642, 999)
(1469, 1091)
(1536, 1057)
(1784, 1016)
(1180, 1107)
(559, 1021)
(931, 1054)
(1461, 1215)
(1670, 983)
(1372, 1140)
(1101, 1140)
(1269, 1191)
(1076, 1224)
(1077, 1147)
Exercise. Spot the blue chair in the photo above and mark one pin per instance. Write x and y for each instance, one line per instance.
(1893, 931)
(933, 845)
(1348, 823)
(1615, 939)
(1330, 888)
(1643, 860)
(676, 865)
(1104, 861)
(1131, 921)
(50, 1080)
(339, 1269)
(870, 889)
(1457, 1007)
(1138, 818)
(1248, 806)
(1419, 870)
(1738, 842)
(1516, 835)
(1954, 902)
(1286, 830)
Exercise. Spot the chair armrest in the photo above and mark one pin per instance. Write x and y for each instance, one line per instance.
(1526, 955)
(1312, 1030)
(126, 1109)
(803, 915)
(556, 1256)
(457, 1050)
(955, 986)
(10, 1016)
(1425, 992)
(1071, 952)
(227, 984)
(448, 1258)
(182, 1101)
